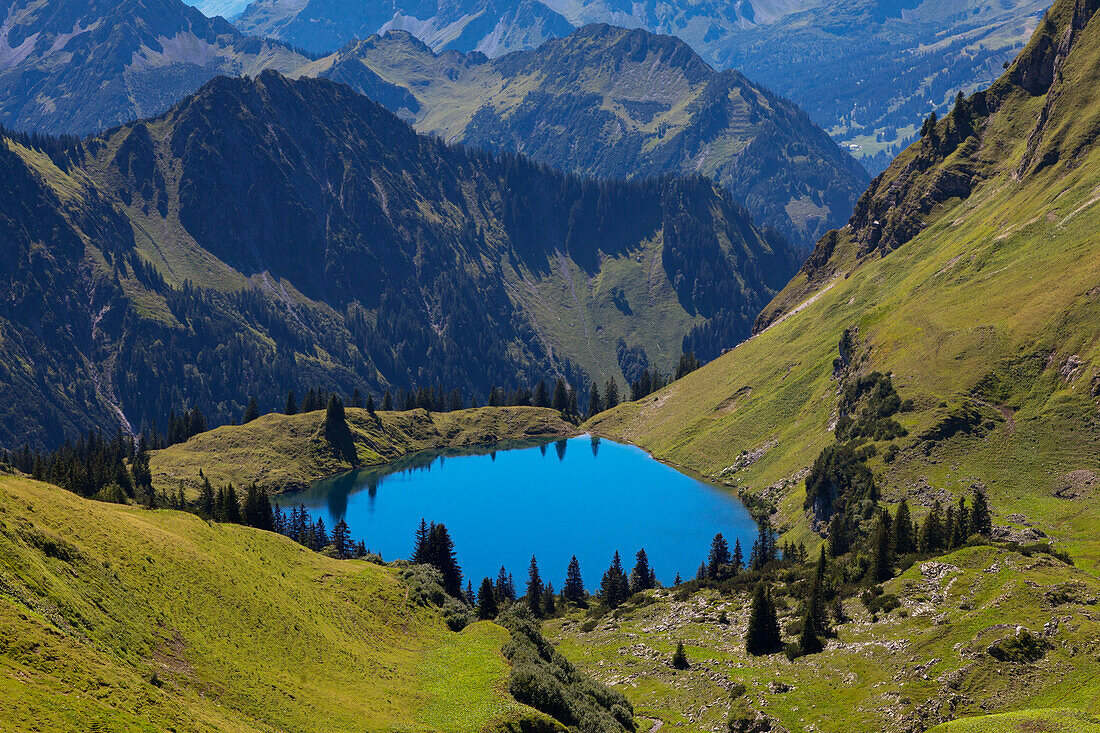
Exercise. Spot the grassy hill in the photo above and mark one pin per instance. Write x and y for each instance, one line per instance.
(910, 669)
(120, 619)
(287, 452)
(969, 271)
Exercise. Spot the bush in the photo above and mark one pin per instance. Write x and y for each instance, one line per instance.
(1022, 647)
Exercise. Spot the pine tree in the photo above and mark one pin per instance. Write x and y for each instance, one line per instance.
(206, 499)
(505, 589)
(534, 589)
(573, 588)
(904, 541)
(251, 412)
(387, 402)
(550, 601)
(642, 576)
(356, 398)
(486, 601)
(962, 524)
(560, 401)
(471, 599)
(738, 556)
(678, 580)
(818, 592)
(981, 521)
(441, 554)
(718, 557)
(839, 541)
(882, 566)
(931, 532)
(762, 635)
(320, 535)
(341, 540)
(291, 404)
(420, 544)
(610, 394)
(232, 505)
(679, 657)
(370, 405)
(701, 573)
(614, 587)
(542, 395)
(764, 549)
(595, 402)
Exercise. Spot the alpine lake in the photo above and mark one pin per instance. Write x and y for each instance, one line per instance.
(583, 496)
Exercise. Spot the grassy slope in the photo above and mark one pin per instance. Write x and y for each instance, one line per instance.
(1002, 283)
(927, 665)
(284, 452)
(245, 630)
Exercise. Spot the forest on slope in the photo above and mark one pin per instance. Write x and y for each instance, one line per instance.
(267, 235)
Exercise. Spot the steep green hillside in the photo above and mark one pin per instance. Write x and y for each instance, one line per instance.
(268, 235)
(970, 273)
(909, 669)
(622, 104)
(123, 619)
(80, 66)
(286, 452)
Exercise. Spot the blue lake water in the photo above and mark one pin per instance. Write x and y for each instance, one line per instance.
(582, 496)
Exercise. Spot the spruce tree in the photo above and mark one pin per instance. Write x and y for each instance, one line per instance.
(505, 589)
(679, 657)
(573, 588)
(370, 405)
(420, 544)
(642, 576)
(762, 635)
(252, 411)
(542, 395)
(614, 586)
(232, 505)
(839, 541)
(610, 394)
(764, 549)
(291, 404)
(560, 401)
(595, 402)
(337, 431)
(341, 540)
(962, 524)
(718, 557)
(206, 499)
(931, 532)
(356, 398)
(534, 589)
(882, 566)
(904, 541)
(549, 601)
(387, 402)
(981, 521)
(486, 601)
(441, 554)
(738, 556)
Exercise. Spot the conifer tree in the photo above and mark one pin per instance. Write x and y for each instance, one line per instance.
(762, 635)
(679, 657)
(642, 576)
(486, 601)
(614, 587)
(701, 573)
(595, 402)
(610, 394)
(534, 589)
(560, 401)
(549, 601)
(251, 412)
(764, 549)
(206, 499)
(718, 557)
(505, 588)
(738, 556)
(573, 588)
(981, 521)
(370, 405)
(904, 541)
(962, 524)
(441, 554)
(320, 535)
(542, 395)
(420, 544)
(232, 505)
(471, 599)
(356, 398)
(387, 402)
(291, 404)
(341, 540)
(839, 541)
(678, 580)
(931, 532)
(818, 593)
(882, 566)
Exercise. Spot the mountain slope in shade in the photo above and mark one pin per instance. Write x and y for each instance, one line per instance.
(970, 272)
(490, 26)
(268, 235)
(621, 104)
(80, 66)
